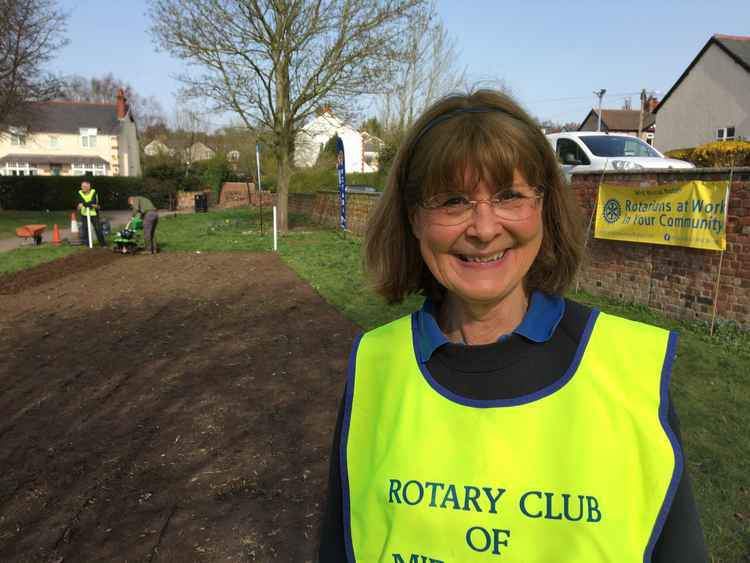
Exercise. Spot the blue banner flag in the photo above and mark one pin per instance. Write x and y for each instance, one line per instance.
(340, 167)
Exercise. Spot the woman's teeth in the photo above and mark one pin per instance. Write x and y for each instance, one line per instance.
(483, 259)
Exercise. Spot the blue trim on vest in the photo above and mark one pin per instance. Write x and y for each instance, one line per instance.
(342, 448)
(666, 374)
(538, 324)
(515, 401)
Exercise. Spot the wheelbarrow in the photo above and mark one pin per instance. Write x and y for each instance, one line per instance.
(31, 232)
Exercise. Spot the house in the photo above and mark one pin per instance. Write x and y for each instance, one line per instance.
(710, 100)
(156, 147)
(623, 121)
(71, 139)
(371, 147)
(313, 137)
(198, 151)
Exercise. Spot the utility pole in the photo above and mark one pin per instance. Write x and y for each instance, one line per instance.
(600, 94)
(640, 117)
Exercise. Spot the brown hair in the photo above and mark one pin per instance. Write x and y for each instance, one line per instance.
(489, 133)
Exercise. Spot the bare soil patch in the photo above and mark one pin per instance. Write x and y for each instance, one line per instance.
(176, 407)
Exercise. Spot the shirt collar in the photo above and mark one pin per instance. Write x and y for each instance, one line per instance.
(538, 324)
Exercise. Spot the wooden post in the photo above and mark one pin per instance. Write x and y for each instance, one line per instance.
(721, 257)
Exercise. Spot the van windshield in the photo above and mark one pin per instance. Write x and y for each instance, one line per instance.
(618, 145)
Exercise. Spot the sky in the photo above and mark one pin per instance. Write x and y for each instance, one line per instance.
(552, 55)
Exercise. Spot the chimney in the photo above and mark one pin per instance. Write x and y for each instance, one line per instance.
(323, 110)
(651, 104)
(122, 105)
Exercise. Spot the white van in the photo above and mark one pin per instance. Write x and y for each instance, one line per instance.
(587, 151)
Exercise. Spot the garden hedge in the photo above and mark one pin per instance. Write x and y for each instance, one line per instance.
(716, 154)
(38, 193)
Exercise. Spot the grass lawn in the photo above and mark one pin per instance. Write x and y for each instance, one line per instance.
(9, 220)
(710, 381)
(28, 256)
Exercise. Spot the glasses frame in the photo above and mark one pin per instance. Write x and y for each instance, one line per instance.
(538, 191)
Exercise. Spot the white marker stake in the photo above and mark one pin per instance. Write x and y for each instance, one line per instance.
(274, 229)
(88, 224)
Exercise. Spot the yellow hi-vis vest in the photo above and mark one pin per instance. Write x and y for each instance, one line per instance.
(582, 471)
(88, 198)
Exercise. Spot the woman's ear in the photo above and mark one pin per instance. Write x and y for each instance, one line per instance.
(415, 221)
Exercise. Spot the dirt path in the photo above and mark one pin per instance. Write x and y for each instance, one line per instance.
(176, 407)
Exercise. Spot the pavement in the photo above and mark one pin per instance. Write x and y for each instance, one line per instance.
(117, 219)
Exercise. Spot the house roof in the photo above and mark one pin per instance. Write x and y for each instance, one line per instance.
(737, 47)
(61, 116)
(621, 119)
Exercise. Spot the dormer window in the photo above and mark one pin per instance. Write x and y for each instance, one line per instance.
(18, 136)
(88, 138)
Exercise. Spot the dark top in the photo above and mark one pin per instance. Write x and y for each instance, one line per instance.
(543, 346)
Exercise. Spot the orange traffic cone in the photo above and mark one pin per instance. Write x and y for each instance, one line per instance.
(73, 223)
(56, 236)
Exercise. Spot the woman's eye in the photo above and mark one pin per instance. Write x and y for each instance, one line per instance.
(506, 195)
(454, 201)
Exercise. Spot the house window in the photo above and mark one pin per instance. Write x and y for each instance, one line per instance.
(54, 142)
(81, 169)
(17, 136)
(725, 134)
(88, 138)
(18, 169)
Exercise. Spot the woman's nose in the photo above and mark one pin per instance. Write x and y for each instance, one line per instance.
(485, 224)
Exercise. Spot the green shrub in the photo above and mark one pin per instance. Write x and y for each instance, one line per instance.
(387, 154)
(37, 193)
(161, 192)
(374, 179)
(214, 173)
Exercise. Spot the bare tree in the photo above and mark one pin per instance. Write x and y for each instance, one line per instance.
(430, 70)
(31, 32)
(146, 109)
(274, 62)
(189, 126)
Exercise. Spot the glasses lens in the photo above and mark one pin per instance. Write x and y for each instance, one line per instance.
(448, 208)
(455, 208)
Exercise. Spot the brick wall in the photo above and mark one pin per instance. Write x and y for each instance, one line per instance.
(186, 200)
(235, 194)
(303, 204)
(267, 198)
(323, 207)
(678, 281)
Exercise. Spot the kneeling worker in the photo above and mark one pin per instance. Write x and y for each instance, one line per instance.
(143, 207)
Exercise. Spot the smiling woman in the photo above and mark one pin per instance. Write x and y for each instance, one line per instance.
(498, 380)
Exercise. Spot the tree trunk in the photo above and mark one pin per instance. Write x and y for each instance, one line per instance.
(284, 140)
(284, 172)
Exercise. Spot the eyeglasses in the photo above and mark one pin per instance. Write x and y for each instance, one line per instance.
(454, 208)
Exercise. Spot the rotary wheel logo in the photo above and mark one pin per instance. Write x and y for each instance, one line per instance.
(611, 211)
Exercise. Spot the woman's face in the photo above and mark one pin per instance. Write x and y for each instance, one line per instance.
(483, 260)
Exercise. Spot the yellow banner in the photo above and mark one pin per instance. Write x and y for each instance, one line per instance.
(692, 214)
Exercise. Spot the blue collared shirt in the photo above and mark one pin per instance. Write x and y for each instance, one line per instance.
(538, 324)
